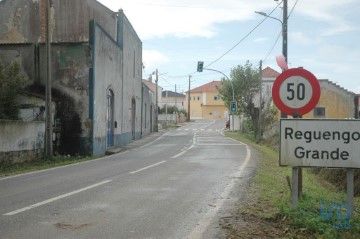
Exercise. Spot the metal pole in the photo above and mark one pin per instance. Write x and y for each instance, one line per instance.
(176, 108)
(48, 122)
(260, 100)
(189, 98)
(233, 92)
(285, 30)
(156, 102)
(350, 189)
(294, 187)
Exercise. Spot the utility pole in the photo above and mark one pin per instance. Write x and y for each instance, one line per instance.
(189, 98)
(156, 102)
(285, 30)
(260, 101)
(176, 108)
(48, 122)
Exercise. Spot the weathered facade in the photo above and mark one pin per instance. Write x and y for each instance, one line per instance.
(96, 65)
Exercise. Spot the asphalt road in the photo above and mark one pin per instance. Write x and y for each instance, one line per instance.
(169, 185)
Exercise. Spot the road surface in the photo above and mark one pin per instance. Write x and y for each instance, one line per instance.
(170, 187)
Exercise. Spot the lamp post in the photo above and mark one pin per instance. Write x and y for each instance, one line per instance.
(283, 26)
(284, 33)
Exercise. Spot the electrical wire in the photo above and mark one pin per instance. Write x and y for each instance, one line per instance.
(242, 39)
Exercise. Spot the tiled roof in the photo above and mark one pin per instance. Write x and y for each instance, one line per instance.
(172, 94)
(209, 87)
(150, 85)
(269, 73)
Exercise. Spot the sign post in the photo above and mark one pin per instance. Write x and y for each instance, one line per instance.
(326, 143)
(296, 92)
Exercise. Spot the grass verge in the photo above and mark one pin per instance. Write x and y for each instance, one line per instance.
(268, 204)
(7, 169)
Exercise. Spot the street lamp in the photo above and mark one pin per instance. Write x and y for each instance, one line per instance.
(283, 26)
(284, 34)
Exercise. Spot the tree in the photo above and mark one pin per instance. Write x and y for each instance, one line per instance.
(246, 82)
(11, 84)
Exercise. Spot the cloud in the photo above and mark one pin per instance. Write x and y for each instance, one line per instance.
(162, 18)
(153, 59)
(332, 12)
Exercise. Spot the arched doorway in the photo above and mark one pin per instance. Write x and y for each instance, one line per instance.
(110, 119)
(133, 118)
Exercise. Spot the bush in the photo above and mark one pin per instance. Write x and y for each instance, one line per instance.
(11, 84)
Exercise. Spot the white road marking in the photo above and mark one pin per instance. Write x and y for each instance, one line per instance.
(199, 230)
(55, 199)
(179, 154)
(153, 165)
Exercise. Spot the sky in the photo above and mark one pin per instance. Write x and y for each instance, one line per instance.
(323, 37)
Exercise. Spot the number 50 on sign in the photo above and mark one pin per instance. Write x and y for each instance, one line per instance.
(296, 91)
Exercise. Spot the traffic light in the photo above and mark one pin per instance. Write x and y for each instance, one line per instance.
(200, 66)
(233, 106)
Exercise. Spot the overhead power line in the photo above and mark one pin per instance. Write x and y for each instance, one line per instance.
(242, 39)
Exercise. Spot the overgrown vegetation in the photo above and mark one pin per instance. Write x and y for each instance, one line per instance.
(268, 205)
(11, 83)
(9, 168)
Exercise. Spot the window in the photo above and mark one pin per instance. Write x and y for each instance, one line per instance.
(319, 112)
(198, 98)
(217, 97)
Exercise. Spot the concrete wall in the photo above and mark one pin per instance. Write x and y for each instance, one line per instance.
(22, 53)
(131, 45)
(24, 141)
(20, 21)
(107, 72)
(71, 19)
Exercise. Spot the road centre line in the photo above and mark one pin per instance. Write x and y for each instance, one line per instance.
(55, 199)
(142, 169)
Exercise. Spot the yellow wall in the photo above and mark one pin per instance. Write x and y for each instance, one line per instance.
(338, 102)
(206, 108)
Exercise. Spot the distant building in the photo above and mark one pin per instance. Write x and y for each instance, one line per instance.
(170, 98)
(335, 101)
(206, 102)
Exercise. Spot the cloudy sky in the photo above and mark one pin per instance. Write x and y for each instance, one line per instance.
(323, 37)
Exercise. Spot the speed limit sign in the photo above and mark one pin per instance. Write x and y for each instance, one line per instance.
(296, 91)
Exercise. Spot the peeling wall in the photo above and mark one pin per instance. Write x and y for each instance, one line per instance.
(19, 21)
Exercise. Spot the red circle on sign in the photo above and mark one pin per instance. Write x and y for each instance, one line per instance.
(314, 97)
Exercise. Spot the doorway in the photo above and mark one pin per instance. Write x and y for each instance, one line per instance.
(110, 119)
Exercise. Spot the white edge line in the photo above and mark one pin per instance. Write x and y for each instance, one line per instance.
(153, 165)
(198, 231)
(55, 199)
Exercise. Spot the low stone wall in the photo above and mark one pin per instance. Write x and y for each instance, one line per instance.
(21, 141)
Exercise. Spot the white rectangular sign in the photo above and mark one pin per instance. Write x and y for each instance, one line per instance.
(320, 143)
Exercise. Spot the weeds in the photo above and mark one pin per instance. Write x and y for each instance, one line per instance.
(313, 217)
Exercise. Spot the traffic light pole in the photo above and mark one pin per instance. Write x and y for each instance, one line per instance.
(233, 92)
